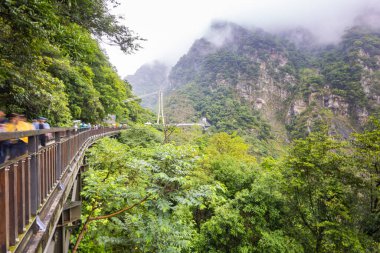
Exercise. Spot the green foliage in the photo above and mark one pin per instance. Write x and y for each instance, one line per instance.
(34, 93)
(322, 184)
(367, 160)
(95, 16)
(344, 66)
(208, 193)
(345, 80)
(228, 159)
(225, 65)
(141, 136)
(52, 66)
(224, 111)
(224, 232)
(214, 197)
(312, 120)
(192, 135)
(310, 81)
(124, 174)
(225, 144)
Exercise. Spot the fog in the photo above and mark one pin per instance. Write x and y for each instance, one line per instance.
(171, 26)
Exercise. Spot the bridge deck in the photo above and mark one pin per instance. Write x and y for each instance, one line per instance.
(34, 187)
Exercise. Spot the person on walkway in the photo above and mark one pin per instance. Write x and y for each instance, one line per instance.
(3, 119)
(42, 124)
(18, 147)
(35, 123)
(25, 124)
(3, 144)
(49, 136)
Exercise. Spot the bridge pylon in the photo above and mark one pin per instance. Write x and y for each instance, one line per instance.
(160, 112)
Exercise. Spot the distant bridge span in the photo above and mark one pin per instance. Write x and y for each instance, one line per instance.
(202, 123)
(40, 191)
(186, 124)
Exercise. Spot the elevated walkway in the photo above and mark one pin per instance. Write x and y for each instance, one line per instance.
(39, 192)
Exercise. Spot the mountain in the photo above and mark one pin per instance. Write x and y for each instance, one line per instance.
(286, 83)
(272, 88)
(147, 79)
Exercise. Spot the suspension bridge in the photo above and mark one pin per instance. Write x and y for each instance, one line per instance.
(160, 112)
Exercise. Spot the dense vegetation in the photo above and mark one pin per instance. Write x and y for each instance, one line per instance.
(51, 65)
(212, 195)
(224, 111)
(219, 191)
(343, 65)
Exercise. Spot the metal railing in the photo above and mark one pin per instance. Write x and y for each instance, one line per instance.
(27, 181)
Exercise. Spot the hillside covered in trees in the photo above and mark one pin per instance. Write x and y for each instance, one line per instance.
(209, 193)
(52, 65)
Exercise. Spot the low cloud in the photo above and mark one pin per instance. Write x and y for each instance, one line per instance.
(171, 26)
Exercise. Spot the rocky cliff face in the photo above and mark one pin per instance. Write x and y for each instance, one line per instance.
(291, 82)
(250, 80)
(253, 63)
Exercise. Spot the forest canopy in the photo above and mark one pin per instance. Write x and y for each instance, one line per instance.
(213, 195)
(51, 64)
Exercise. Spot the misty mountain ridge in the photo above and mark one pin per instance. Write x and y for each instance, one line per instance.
(149, 78)
(249, 80)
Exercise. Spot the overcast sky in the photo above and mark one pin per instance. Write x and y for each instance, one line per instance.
(171, 26)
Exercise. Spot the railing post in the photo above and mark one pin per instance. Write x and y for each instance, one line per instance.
(4, 210)
(34, 179)
(13, 222)
(68, 136)
(27, 190)
(58, 162)
(21, 195)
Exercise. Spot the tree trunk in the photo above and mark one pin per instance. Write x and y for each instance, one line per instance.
(90, 219)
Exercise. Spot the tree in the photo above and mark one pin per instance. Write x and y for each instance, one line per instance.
(227, 158)
(141, 199)
(95, 16)
(367, 159)
(320, 186)
(140, 135)
(52, 66)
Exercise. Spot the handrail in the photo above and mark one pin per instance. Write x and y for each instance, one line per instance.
(27, 182)
(19, 134)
